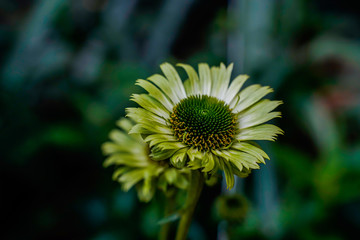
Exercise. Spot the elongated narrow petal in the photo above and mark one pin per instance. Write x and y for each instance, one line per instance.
(150, 104)
(234, 88)
(156, 93)
(228, 172)
(219, 76)
(205, 78)
(247, 160)
(249, 96)
(155, 139)
(216, 83)
(252, 149)
(169, 88)
(128, 159)
(143, 115)
(193, 79)
(258, 114)
(173, 77)
(261, 132)
(225, 80)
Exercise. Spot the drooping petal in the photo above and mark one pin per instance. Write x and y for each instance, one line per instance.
(258, 113)
(261, 132)
(243, 174)
(243, 158)
(146, 190)
(254, 150)
(228, 172)
(249, 96)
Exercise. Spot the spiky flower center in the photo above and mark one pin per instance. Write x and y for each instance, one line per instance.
(203, 122)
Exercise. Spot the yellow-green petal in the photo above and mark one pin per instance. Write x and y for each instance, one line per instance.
(234, 87)
(249, 96)
(261, 132)
(256, 151)
(194, 84)
(150, 104)
(205, 78)
(173, 77)
(167, 87)
(179, 158)
(156, 93)
(259, 113)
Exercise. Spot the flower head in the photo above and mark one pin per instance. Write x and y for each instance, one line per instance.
(130, 154)
(205, 123)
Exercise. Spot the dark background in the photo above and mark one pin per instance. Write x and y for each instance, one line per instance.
(69, 67)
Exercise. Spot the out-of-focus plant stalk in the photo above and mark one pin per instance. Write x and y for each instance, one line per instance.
(194, 192)
(169, 208)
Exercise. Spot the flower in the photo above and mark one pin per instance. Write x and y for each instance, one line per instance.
(205, 123)
(130, 154)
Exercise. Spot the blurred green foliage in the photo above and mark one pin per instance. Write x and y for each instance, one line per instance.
(69, 67)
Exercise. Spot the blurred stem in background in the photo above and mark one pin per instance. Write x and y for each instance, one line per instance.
(169, 209)
(193, 194)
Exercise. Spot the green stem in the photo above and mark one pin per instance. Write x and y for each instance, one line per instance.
(169, 208)
(194, 191)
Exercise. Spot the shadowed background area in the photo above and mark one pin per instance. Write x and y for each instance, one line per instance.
(68, 69)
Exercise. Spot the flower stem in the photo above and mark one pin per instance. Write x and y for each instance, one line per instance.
(194, 191)
(169, 208)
